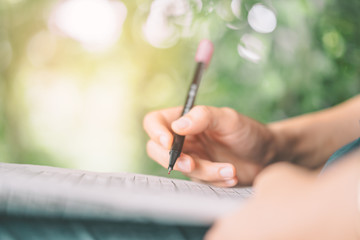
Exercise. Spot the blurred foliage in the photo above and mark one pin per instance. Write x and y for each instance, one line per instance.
(309, 62)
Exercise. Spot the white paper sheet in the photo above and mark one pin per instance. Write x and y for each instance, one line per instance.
(30, 190)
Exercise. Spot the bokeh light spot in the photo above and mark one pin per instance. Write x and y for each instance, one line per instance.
(223, 10)
(97, 24)
(334, 43)
(166, 18)
(262, 19)
(236, 8)
(251, 48)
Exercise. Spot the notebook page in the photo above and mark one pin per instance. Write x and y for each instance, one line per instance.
(55, 192)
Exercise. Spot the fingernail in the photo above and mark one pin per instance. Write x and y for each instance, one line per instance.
(181, 123)
(230, 182)
(164, 141)
(183, 164)
(227, 172)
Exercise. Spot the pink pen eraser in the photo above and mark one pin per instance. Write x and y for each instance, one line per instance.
(204, 52)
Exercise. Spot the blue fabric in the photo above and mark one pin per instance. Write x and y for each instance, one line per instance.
(18, 228)
(342, 152)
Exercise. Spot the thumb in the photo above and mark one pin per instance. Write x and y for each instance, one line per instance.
(201, 118)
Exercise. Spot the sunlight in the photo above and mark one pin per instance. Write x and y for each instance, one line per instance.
(97, 24)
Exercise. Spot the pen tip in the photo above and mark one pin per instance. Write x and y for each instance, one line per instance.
(169, 170)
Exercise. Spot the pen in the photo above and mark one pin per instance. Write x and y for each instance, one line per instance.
(202, 57)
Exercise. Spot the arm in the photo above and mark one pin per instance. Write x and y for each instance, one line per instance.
(310, 139)
(225, 148)
(305, 206)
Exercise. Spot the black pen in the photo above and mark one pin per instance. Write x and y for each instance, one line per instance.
(202, 57)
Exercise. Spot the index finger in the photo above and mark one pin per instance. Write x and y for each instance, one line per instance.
(157, 125)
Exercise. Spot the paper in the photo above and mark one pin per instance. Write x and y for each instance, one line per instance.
(29, 190)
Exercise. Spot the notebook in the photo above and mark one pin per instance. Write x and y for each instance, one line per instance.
(42, 191)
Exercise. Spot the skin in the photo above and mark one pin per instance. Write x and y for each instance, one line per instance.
(225, 148)
(221, 147)
(304, 206)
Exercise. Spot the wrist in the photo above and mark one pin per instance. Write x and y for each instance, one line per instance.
(297, 143)
(285, 143)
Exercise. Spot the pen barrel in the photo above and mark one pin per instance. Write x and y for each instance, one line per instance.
(176, 148)
(178, 142)
(190, 99)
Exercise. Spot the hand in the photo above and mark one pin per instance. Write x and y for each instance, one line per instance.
(291, 203)
(222, 147)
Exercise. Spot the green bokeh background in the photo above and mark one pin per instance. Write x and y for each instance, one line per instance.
(310, 62)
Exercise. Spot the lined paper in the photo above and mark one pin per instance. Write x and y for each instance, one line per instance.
(31, 190)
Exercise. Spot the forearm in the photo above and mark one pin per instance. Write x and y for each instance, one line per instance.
(309, 140)
(293, 203)
(338, 189)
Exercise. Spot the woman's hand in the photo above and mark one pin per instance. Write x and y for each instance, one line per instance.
(222, 147)
(291, 203)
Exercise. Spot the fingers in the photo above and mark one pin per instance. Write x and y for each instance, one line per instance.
(161, 156)
(223, 121)
(218, 174)
(201, 118)
(157, 125)
(226, 183)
